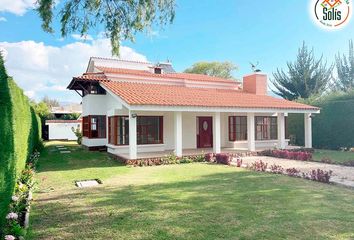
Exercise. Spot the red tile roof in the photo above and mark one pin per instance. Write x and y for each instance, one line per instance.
(92, 77)
(186, 76)
(167, 95)
(63, 121)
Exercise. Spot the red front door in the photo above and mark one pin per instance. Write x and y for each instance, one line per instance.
(205, 132)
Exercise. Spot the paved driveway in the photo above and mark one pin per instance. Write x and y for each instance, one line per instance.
(341, 174)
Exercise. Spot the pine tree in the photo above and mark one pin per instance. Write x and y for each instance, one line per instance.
(305, 77)
(345, 70)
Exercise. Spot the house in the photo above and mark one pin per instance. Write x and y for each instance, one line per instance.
(140, 109)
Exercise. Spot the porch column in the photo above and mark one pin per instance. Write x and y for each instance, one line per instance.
(216, 133)
(281, 130)
(251, 132)
(308, 130)
(178, 133)
(132, 136)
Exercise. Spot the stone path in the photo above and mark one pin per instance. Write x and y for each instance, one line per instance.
(341, 174)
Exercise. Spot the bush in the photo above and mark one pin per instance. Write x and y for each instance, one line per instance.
(277, 169)
(293, 172)
(330, 128)
(78, 134)
(294, 155)
(19, 136)
(209, 157)
(259, 166)
(319, 175)
(223, 158)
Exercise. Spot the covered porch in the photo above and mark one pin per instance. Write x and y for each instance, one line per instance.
(185, 133)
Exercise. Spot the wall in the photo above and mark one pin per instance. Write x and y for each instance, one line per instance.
(62, 131)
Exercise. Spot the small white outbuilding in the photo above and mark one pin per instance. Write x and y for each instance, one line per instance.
(62, 129)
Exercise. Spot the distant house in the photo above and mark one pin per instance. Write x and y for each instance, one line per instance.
(140, 109)
(60, 128)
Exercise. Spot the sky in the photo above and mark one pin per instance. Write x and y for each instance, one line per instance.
(265, 32)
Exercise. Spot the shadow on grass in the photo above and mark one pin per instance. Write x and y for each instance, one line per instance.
(79, 158)
(235, 205)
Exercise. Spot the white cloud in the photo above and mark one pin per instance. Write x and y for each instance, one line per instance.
(42, 70)
(82, 38)
(18, 7)
(2, 19)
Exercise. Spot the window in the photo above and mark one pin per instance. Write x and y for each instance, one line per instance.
(150, 130)
(237, 128)
(118, 130)
(266, 128)
(94, 126)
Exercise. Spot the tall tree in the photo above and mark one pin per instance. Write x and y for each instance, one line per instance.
(306, 76)
(121, 19)
(215, 69)
(50, 102)
(345, 70)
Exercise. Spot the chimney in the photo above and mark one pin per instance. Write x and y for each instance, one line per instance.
(255, 83)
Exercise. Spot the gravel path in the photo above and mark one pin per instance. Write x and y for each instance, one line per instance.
(341, 174)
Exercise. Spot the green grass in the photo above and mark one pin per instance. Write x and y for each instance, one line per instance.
(187, 201)
(337, 157)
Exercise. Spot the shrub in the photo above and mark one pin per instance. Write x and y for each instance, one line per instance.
(294, 155)
(326, 160)
(78, 134)
(259, 166)
(20, 133)
(223, 158)
(349, 163)
(276, 169)
(238, 162)
(293, 172)
(320, 175)
(199, 158)
(209, 157)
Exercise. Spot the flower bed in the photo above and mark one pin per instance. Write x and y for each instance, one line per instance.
(314, 175)
(169, 159)
(288, 154)
(18, 216)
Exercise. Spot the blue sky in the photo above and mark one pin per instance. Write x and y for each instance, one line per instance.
(237, 31)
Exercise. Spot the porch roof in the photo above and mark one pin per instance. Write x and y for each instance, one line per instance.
(173, 95)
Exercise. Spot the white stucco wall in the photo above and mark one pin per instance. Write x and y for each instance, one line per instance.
(62, 131)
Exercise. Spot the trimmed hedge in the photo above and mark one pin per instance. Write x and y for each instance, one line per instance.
(333, 128)
(19, 136)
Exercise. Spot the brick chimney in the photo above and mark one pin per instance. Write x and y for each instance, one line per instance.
(255, 83)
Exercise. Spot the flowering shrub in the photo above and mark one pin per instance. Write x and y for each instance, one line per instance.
(15, 219)
(209, 157)
(259, 166)
(320, 175)
(293, 172)
(276, 169)
(238, 162)
(326, 160)
(223, 158)
(295, 155)
(169, 159)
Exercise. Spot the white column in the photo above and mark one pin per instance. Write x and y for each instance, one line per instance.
(281, 130)
(216, 133)
(132, 136)
(251, 132)
(178, 133)
(308, 130)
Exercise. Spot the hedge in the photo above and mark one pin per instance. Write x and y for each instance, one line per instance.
(333, 128)
(19, 136)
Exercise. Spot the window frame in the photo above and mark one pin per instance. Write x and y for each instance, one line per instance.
(268, 128)
(233, 133)
(116, 133)
(139, 130)
(100, 129)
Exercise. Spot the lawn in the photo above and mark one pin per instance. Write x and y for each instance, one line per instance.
(337, 157)
(187, 201)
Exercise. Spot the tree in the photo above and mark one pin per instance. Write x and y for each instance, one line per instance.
(50, 102)
(121, 19)
(215, 69)
(345, 70)
(43, 110)
(305, 77)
